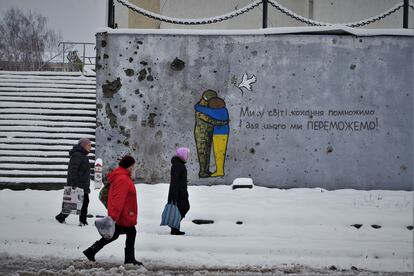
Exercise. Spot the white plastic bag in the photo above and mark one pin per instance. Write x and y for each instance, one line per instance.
(72, 200)
(106, 227)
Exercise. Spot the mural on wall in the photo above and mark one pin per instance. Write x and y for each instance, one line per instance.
(211, 128)
(245, 83)
(317, 116)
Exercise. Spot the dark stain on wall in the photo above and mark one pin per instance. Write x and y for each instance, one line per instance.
(125, 132)
(149, 77)
(111, 116)
(151, 118)
(352, 67)
(154, 177)
(123, 110)
(177, 64)
(135, 146)
(129, 72)
(142, 75)
(133, 118)
(103, 43)
(98, 124)
(329, 149)
(111, 88)
(158, 135)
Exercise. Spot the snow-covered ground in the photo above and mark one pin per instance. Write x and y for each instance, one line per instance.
(300, 231)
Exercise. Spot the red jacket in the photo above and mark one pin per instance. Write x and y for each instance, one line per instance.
(122, 198)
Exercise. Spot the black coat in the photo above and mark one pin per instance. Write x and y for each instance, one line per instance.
(79, 170)
(178, 192)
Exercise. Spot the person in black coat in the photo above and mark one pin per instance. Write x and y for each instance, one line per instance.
(79, 176)
(178, 193)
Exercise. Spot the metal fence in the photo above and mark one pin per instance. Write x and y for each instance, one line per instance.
(71, 60)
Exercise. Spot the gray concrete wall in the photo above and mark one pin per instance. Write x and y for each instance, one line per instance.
(327, 111)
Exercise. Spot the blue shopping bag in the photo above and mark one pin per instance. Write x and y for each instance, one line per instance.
(171, 216)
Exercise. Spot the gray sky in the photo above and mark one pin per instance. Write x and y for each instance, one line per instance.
(77, 20)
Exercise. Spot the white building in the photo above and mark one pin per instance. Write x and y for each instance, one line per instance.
(332, 11)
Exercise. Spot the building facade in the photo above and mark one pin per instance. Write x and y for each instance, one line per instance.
(332, 11)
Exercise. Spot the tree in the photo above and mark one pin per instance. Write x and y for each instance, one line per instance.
(25, 40)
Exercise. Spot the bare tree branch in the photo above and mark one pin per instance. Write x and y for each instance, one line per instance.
(25, 40)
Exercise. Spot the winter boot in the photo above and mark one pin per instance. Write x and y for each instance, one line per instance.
(83, 223)
(91, 251)
(130, 257)
(60, 218)
(175, 231)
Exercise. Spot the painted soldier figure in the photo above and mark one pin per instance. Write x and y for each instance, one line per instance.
(204, 131)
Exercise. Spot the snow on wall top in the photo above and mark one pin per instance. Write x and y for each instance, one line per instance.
(335, 29)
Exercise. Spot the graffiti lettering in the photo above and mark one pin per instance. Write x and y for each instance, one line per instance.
(275, 112)
(245, 112)
(343, 125)
(296, 126)
(351, 112)
(270, 119)
(274, 126)
(252, 126)
(309, 113)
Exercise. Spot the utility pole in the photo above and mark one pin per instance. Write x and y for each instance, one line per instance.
(264, 2)
(111, 14)
(405, 16)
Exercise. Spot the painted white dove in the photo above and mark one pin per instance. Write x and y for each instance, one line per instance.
(246, 82)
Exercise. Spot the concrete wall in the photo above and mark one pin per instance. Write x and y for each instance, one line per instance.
(326, 111)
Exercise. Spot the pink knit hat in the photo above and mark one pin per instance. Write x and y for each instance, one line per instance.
(183, 153)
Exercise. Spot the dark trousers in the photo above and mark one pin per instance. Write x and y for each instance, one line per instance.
(130, 232)
(84, 209)
(183, 212)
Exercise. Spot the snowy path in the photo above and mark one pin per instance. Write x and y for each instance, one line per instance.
(308, 229)
(58, 266)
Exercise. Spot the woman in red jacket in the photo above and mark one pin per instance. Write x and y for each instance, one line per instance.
(122, 208)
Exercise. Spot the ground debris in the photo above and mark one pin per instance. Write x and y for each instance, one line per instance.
(19, 265)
